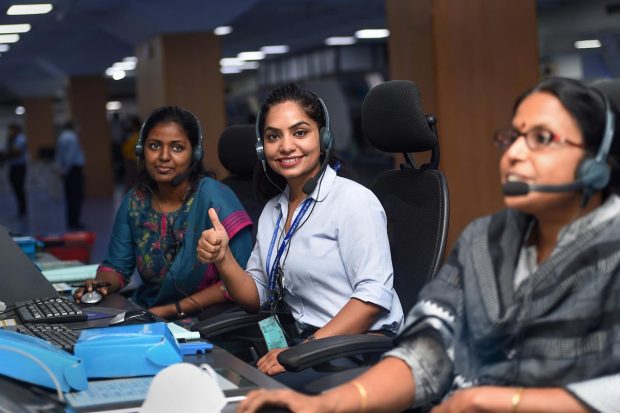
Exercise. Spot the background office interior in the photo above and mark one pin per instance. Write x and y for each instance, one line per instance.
(470, 58)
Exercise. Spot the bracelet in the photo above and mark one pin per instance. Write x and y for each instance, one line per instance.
(363, 395)
(177, 306)
(516, 399)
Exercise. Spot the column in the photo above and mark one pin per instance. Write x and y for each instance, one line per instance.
(87, 96)
(470, 60)
(183, 70)
(39, 124)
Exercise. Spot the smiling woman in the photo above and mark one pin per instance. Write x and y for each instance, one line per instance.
(158, 223)
(321, 249)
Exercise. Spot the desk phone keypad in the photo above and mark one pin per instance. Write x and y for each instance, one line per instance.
(59, 335)
(49, 310)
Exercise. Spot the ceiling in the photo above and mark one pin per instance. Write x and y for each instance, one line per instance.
(86, 36)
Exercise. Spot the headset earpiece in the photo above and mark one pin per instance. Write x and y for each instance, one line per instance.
(594, 173)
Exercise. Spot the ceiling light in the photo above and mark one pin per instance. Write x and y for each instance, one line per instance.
(113, 105)
(278, 49)
(587, 44)
(20, 110)
(14, 28)
(4, 48)
(249, 66)
(372, 33)
(22, 9)
(340, 41)
(222, 30)
(231, 61)
(257, 55)
(230, 69)
(124, 66)
(9, 38)
(118, 75)
(132, 59)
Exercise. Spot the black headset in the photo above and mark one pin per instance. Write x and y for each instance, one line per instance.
(594, 173)
(325, 133)
(197, 151)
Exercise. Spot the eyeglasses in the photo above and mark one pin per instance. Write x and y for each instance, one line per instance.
(536, 138)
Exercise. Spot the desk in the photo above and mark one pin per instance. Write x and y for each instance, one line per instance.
(18, 393)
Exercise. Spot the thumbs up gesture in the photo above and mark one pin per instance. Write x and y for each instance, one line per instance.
(213, 242)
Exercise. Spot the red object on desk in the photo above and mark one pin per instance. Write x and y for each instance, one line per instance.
(69, 246)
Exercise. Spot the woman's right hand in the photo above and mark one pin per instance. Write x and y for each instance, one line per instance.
(89, 285)
(213, 242)
(293, 401)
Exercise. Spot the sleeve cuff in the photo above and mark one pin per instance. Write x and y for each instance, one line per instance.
(374, 292)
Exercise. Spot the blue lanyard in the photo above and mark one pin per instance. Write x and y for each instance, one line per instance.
(274, 270)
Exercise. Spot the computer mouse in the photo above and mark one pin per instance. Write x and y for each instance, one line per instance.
(133, 317)
(92, 297)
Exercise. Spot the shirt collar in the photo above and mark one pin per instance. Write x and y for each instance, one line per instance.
(326, 182)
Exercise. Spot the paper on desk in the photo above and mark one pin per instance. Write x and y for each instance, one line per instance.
(182, 334)
(71, 274)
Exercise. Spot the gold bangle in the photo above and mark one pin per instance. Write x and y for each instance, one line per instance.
(516, 399)
(363, 395)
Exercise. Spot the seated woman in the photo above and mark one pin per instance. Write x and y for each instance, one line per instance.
(322, 246)
(158, 224)
(523, 317)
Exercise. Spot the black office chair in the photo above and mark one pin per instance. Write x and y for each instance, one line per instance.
(417, 207)
(237, 153)
(416, 203)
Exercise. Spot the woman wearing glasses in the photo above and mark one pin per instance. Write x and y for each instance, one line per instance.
(525, 314)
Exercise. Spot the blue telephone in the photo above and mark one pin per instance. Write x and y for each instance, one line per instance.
(26, 358)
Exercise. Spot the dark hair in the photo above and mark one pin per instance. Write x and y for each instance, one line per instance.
(587, 107)
(189, 123)
(311, 105)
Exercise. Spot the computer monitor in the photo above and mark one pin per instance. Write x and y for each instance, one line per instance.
(20, 279)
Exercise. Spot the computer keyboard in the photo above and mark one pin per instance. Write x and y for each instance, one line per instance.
(49, 310)
(59, 335)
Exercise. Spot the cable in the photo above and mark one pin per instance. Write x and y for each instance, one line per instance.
(49, 372)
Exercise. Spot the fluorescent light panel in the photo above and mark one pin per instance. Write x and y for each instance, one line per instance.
(587, 44)
(20, 110)
(275, 49)
(14, 28)
(124, 66)
(222, 30)
(340, 41)
(4, 48)
(9, 38)
(372, 33)
(231, 61)
(254, 55)
(230, 69)
(132, 59)
(113, 105)
(23, 9)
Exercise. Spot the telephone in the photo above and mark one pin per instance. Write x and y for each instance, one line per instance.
(36, 361)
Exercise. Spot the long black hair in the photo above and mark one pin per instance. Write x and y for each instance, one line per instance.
(587, 107)
(268, 183)
(190, 125)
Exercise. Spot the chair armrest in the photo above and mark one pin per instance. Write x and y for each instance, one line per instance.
(322, 350)
(224, 323)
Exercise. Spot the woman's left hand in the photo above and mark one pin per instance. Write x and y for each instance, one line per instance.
(269, 364)
(167, 312)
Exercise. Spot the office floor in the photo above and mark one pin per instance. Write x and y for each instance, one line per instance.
(46, 208)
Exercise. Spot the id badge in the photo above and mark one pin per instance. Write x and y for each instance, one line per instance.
(272, 333)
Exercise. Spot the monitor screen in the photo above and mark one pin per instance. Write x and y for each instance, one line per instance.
(20, 279)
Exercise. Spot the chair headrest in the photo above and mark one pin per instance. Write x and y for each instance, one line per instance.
(236, 149)
(393, 119)
(611, 87)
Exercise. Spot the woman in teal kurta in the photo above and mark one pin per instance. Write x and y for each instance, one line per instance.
(159, 222)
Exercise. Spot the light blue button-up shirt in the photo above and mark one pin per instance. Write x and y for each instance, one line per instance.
(340, 252)
(68, 151)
